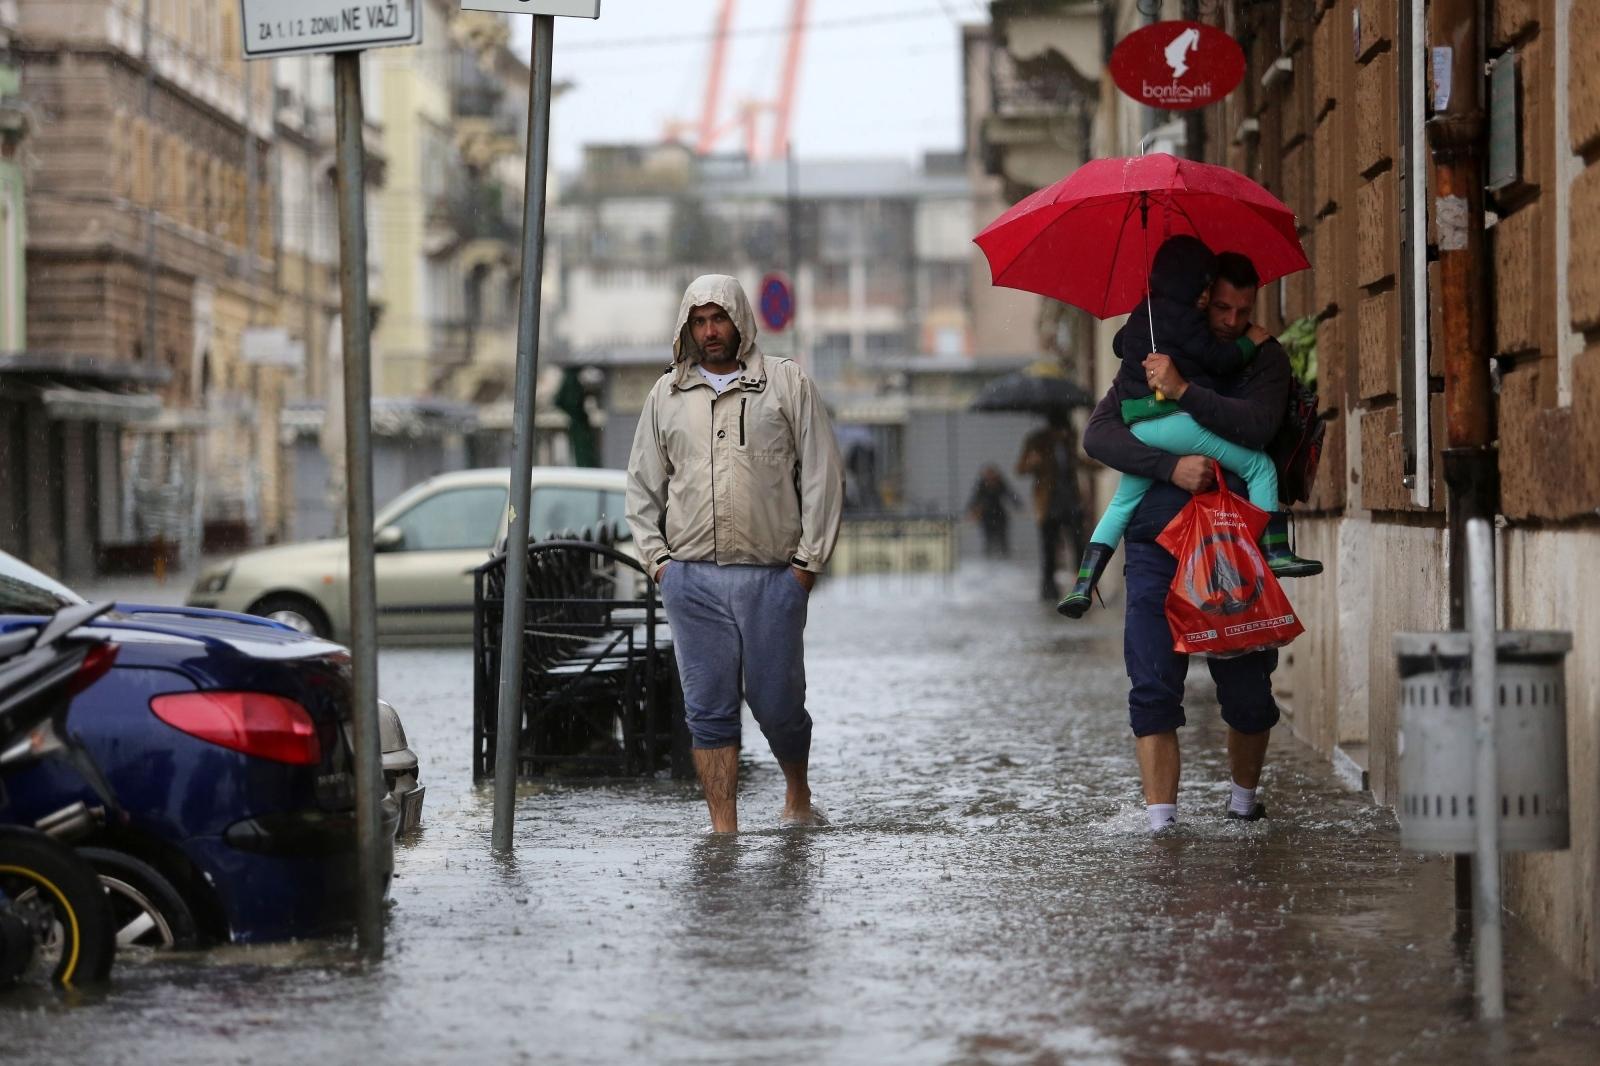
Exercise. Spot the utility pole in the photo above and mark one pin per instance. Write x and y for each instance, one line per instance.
(252, 191)
(358, 507)
(1455, 136)
(792, 224)
(509, 714)
(276, 28)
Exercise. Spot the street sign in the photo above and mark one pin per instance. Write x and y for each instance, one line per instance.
(585, 9)
(292, 27)
(777, 302)
(271, 346)
(1177, 66)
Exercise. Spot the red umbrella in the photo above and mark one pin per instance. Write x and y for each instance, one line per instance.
(1088, 239)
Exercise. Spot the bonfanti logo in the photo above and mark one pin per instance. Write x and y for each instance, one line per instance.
(1178, 51)
(1177, 56)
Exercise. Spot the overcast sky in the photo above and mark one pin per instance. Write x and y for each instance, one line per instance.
(878, 77)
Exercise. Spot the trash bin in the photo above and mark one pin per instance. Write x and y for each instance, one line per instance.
(1438, 748)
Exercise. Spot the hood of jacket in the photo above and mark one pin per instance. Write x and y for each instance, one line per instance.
(726, 293)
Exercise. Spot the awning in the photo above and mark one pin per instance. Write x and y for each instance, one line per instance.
(68, 366)
(391, 417)
(64, 404)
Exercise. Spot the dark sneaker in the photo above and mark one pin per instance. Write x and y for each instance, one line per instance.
(1258, 812)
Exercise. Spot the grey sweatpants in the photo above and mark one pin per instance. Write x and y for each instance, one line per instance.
(733, 624)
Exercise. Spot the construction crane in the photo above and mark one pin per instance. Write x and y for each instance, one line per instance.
(709, 130)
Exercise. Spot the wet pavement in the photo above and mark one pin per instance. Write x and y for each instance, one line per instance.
(987, 893)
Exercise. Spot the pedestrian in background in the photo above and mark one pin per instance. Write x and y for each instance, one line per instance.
(735, 491)
(990, 507)
(1050, 455)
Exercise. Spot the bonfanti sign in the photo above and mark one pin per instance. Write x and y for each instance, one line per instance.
(288, 27)
(1177, 66)
(587, 9)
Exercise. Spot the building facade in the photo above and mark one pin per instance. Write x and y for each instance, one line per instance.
(150, 203)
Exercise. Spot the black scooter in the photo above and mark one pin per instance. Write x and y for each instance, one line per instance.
(55, 919)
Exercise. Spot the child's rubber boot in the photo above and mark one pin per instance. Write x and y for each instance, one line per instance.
(1095, 558)
(1281, 559)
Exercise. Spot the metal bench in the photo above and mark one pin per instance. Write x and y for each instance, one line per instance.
(600, 692)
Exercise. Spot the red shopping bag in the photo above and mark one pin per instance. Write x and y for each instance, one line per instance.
(1223, 600)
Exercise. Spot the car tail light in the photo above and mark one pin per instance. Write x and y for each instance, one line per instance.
(93, 668)
(256, 723)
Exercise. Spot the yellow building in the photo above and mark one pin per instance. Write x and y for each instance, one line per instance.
(409, 218)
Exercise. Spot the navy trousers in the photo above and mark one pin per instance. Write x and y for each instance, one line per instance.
(1156, 672)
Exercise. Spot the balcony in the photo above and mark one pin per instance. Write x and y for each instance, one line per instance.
(475, 211)
(451, 344)
(1042, 94)
(480, 99)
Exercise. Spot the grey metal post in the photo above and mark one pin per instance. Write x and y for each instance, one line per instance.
(508, 720)
(356, 321)
(792, 223)
(1486, 885)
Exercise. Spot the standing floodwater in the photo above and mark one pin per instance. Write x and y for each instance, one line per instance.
(988, 893)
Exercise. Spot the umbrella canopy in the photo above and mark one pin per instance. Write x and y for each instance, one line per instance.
(1040, 389)
(1088, 240)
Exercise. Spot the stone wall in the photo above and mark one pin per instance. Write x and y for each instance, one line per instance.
(1556, 892)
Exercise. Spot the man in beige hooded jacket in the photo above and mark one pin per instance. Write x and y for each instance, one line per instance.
(735, 490)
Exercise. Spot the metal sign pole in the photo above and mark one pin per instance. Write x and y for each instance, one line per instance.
(509, 718)
(1486, 962)
(358, 501)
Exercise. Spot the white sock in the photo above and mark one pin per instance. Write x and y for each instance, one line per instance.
(1243, 800)
(1161, 815)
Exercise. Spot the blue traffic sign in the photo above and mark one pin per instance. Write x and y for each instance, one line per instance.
(777, 302)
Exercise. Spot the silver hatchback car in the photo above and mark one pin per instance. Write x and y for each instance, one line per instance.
(428, 541)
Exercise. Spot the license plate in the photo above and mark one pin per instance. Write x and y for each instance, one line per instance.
(411, 809)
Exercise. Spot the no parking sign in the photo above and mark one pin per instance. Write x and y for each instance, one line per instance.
(777, 302)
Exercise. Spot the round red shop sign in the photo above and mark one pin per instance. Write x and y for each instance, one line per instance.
(1177, 66)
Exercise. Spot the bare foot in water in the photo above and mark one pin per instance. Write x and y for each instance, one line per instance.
(802, 816)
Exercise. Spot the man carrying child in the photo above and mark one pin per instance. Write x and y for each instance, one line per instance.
(1246, 407)
(1172, 321)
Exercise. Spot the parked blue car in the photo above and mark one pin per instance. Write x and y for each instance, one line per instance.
(225, 738)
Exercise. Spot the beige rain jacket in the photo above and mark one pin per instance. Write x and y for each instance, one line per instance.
(751, 476)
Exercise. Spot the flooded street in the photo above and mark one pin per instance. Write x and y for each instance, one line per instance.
(987, 893)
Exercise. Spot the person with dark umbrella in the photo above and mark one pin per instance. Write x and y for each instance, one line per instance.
(1050, 456)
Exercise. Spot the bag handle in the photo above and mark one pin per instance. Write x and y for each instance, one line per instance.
(1222, 481)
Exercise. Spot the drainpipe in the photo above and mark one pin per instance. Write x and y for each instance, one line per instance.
(1194, 123)
(1455, 135)
(153, 187)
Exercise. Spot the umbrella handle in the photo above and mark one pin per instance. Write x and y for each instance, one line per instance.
(1149, 312)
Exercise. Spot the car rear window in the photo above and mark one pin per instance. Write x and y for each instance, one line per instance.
(453, 520)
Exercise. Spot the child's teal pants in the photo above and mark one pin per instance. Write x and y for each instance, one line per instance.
(1180, 434)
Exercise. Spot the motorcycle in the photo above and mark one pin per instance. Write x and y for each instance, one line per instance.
(55, 918)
